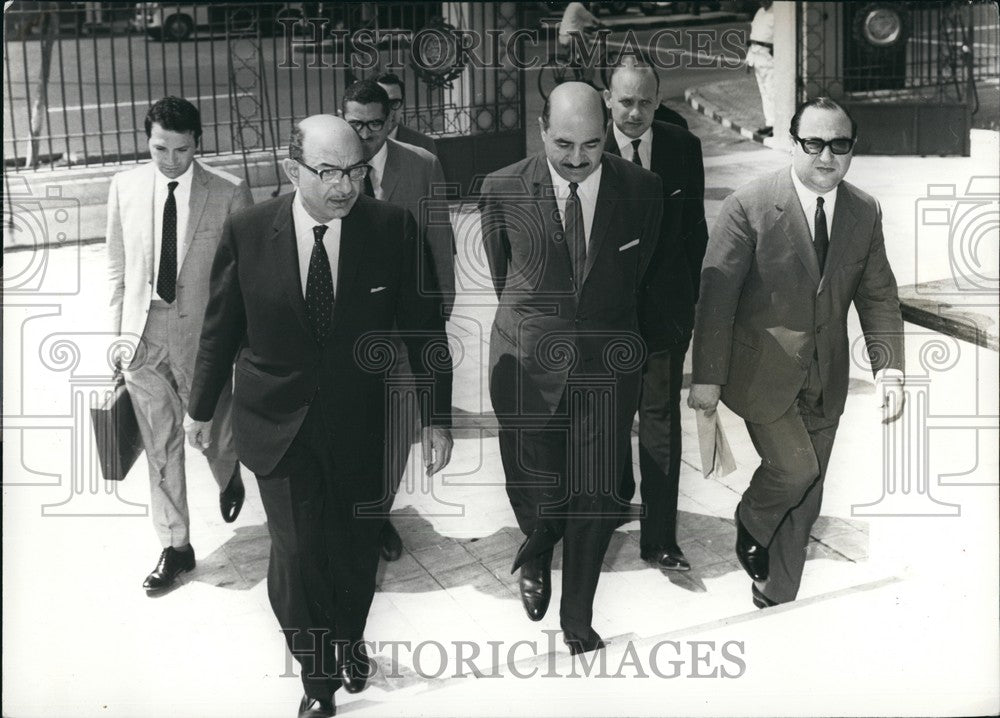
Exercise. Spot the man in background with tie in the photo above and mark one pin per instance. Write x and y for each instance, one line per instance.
(411, 178)
(568, 235)
(788, 255)
(306, 290)
(164, 223)
(667, 298)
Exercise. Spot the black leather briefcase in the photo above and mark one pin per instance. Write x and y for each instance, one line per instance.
(117, 433)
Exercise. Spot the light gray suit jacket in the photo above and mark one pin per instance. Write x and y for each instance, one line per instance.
(130, 247)
(416, 138)
(765, 311)
(413, 179)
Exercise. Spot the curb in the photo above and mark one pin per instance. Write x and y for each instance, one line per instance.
(698, 103)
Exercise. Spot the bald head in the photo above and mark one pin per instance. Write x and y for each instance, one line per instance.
(572, 127)
(319, 143)
(632, 97)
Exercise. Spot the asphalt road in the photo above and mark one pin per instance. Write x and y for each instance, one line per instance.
(101, 87)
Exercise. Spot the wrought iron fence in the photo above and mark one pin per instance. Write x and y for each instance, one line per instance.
(917, 50)
(79, 77)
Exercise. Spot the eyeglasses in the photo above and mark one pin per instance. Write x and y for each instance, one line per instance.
(356, 173)
(372, 125)
(395, 104)
(815, 146)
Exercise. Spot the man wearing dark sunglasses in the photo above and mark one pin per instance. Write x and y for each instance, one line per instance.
(789, 254)
(396, 91)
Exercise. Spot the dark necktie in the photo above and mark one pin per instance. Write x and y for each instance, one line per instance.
(635, 152)
(166, 281)
(575, 237)
(821, 238)
(369, 188)
(319, 288)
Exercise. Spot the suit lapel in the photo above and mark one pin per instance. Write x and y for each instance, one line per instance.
(610, 143)
(146, 189)
(352, 230)
(607, 200)
(841, 232)
(792, 223)
(286, 260)
(391, 171)
(545, 203)
(196, 207)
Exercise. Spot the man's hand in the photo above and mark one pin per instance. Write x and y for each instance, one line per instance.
(198, 433)
(704, 397)
(889, 387)
(436, 443)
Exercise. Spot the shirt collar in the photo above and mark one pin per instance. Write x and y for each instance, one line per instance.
(377, 162)
(587, 188)
(622, 139)
(807, 198)
(183, 182)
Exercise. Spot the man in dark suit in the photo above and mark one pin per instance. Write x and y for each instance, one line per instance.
(305, 290)
(568, 235)
(408, 177)
(666, 302)
(396, 90)
(788, 255)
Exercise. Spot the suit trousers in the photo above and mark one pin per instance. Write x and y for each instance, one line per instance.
(159, 384)
(659, 448)
(566, 474)
(321, 573)
(783, 500)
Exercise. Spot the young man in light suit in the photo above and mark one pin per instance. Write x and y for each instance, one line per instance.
(164, 223)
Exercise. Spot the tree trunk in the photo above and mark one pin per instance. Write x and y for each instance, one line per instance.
(40, 106)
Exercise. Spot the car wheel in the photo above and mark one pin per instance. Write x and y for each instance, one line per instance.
(178, 28)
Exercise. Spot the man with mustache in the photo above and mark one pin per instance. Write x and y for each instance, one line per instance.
(305, 292)
(568, 235)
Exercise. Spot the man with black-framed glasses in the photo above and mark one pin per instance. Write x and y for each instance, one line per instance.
(305, 292)
(411, 178)
(789, 254)
(396, 91)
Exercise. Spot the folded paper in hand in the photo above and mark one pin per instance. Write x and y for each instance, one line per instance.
(716, 457)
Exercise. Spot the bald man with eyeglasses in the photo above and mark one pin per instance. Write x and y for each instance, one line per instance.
(788, 255)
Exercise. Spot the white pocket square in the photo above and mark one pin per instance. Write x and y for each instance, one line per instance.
(629, 245)
(376, 289)
(675, 192)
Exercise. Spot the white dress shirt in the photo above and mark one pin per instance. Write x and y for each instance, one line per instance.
(586, 191)
(626, 149)
(304, 241)
(807, 199)
(182, 195)
(377, 163)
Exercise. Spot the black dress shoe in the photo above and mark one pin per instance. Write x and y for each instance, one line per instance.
(752, 555)
(172, 563)
(355, 668)
(759, 599)
(316, 707)
(535, 583)
(390, 543)
(670, 558)
(578, 645)
(231, 497)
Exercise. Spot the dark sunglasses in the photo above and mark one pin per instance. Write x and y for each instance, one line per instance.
(815, 146)
(372, 125)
